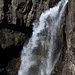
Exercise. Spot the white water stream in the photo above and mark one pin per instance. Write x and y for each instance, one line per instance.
(38, 55)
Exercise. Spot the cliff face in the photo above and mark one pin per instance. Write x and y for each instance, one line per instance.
(25, 10)
(16, 18)
(69, 66)
(18, 15)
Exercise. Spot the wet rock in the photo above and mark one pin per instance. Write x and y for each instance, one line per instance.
(9, 37)
(13, 66)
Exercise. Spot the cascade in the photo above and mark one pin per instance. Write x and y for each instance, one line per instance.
(41, 54)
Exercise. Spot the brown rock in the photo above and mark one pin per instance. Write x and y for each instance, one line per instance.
(31, 10)
(68, 62)
(13, 66)
(8, 38)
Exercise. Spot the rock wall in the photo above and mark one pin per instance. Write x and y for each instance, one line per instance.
(67, 64)
(16, 25)
(16, 18)
(26, 10)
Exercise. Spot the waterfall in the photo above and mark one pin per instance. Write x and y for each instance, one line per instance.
(41, 54)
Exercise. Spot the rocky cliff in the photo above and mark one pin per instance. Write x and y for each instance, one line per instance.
(69, 60)
(67, 64)
(16, 18)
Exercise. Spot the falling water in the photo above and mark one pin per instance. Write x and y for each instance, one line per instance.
(41, 54)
